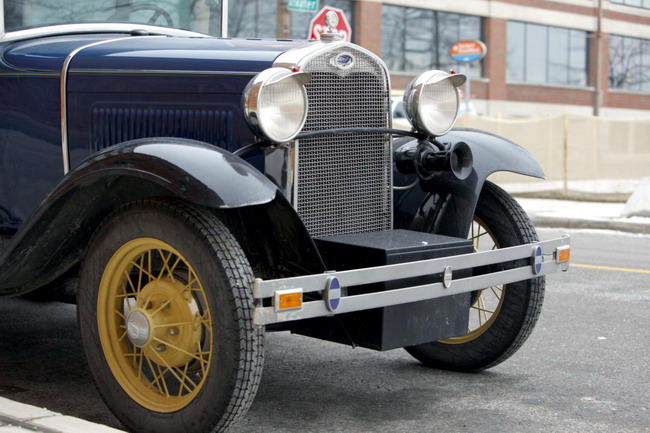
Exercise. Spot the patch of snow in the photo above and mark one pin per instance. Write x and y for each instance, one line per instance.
(638, 205)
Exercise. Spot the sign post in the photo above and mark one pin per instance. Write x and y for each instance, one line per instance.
(468, 52)
(317, 25)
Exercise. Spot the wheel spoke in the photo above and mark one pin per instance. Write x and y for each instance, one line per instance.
(178, 293)
(193, 355)
(155, 382)
(171, 370)
(484, 310)
(140, 273)
(167, 302)
(162, 372)
(143, 270)
(191, 322)
(139, 355)
(165, 266)
(202, 365)
(479, 235)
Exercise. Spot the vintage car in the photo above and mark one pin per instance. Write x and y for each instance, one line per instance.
(191, 192)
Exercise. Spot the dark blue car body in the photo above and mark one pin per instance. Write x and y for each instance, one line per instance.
(141, 80)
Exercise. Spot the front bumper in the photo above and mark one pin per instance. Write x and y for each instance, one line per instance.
(539, 258)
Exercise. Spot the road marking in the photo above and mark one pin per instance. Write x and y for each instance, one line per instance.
(610, 268)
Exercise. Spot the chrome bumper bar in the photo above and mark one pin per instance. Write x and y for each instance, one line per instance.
(544, 258)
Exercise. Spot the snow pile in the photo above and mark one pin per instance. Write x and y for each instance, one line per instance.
(639, 202)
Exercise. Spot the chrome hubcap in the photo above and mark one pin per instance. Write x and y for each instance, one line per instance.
(138, 328)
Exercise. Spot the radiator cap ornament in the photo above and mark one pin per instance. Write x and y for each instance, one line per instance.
(332, 22)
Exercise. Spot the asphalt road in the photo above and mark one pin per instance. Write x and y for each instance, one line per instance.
(585, 368)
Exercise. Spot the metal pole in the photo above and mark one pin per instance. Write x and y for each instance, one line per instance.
(598, 96)
(565, 157)
(224, 18)
(468, 89)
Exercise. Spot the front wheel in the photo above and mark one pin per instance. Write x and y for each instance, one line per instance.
(164, 310)
(501, 317)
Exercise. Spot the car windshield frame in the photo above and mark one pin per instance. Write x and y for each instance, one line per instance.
(84, 26)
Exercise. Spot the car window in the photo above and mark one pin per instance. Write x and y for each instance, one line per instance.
(198, 16)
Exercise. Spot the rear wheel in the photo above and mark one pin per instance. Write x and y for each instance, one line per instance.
(165, 316)
(501, 317)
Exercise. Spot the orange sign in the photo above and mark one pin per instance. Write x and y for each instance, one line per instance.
(468, 51)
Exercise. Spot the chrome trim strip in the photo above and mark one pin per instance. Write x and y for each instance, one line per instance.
(63, 29)
(29, 74)
(224, 18)
(157, 72)
(318, 282)
(2, 19)
(64, 99)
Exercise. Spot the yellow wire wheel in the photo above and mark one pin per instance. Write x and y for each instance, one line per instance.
(154, 324)
(486, 304)
(165, 317)
(501, 317)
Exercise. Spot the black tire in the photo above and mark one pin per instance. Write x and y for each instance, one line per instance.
(516, 309)
(198, 327)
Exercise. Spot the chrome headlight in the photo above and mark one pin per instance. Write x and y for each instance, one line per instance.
(431, 101)
(275, 104)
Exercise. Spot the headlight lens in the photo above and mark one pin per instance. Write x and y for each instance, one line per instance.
(431, 101)
(275, 104)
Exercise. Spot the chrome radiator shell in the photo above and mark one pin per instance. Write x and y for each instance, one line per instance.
(343, 182)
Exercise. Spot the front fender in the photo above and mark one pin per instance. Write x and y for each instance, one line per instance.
(54, 238)
(444, 204)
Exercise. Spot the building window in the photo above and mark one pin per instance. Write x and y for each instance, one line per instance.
(629, 63)
(416, 40)
(636, 3)
(548, 55)
(258, 18)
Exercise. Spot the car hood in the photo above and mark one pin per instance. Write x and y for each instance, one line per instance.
(120, 52)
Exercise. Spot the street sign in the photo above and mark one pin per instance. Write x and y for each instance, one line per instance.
(317, 25)
(468, 51)
(302, 5)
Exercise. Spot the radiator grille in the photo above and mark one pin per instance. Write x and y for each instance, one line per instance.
(344, 181)
(112, 125)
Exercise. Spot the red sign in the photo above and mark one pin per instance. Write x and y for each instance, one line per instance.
(468, 51)
(317, 25)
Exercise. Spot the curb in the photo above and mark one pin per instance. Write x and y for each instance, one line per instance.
(18, 417)
(576, 223)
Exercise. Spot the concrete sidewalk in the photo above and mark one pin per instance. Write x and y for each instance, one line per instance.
(582, 215)
(22, 418)
(545, 205)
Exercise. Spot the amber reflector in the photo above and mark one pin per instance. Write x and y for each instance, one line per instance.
(288, 300)
(563, 254)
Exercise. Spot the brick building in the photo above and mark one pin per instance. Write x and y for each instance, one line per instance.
(544, 56)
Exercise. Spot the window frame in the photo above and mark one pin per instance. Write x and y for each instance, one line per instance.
(568, 66)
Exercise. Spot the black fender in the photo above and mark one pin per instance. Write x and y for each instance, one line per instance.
(444, 204)
(54, 238)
